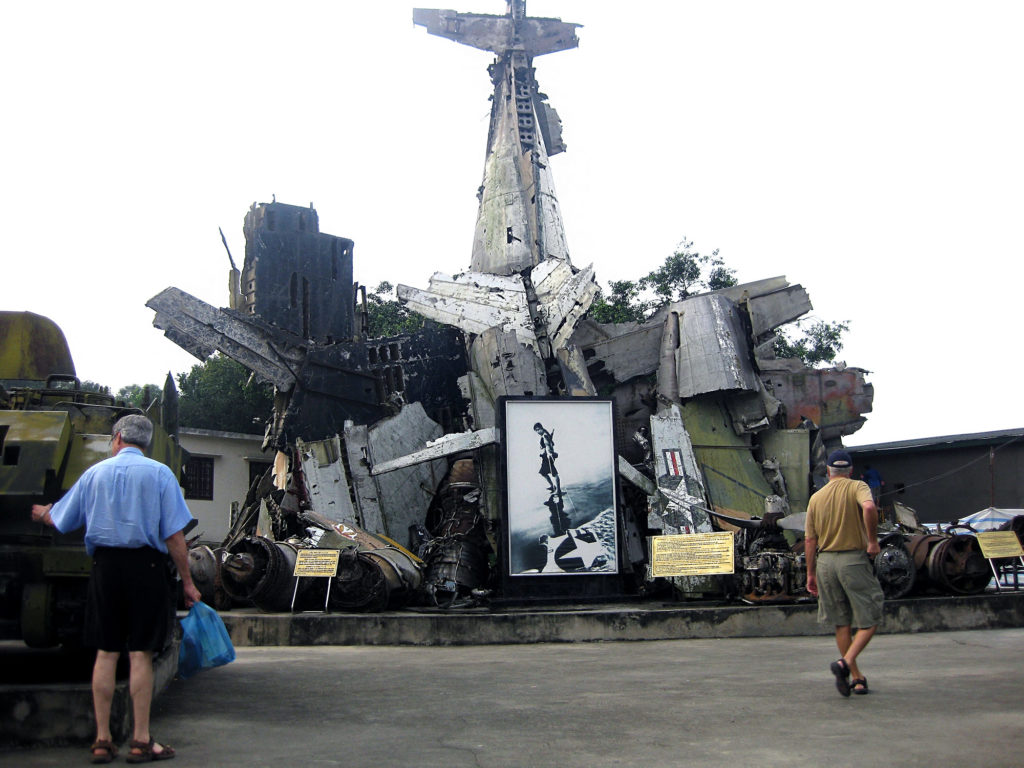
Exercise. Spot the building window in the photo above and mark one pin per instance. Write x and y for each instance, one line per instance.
(258, 469)
(199, 478)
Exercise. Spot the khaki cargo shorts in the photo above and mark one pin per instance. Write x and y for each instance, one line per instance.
(848, 591)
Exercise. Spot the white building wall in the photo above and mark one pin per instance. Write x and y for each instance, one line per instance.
(232, 454)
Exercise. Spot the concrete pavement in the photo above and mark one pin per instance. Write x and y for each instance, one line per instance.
(938, 698)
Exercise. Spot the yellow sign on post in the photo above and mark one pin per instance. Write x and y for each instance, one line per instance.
(999, 544)
(692, 554)
(316, 562)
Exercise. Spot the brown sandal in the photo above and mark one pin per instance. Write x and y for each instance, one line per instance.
(108, 748)
(146, 753)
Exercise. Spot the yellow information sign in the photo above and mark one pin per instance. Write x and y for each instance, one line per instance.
(316, 562)
(999, 544)
(692, 554)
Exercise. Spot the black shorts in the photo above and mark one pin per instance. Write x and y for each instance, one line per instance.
(130, 603)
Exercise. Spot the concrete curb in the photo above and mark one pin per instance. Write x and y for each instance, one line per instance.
(606, 623)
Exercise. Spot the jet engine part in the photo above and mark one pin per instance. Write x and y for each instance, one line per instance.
(204, 565)
(894, 568)
(259, 571)
(957, 565)
(373, 580)
(772, 575)
(456, 559)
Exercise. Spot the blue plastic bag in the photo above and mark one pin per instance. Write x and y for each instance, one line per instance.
(204, 641)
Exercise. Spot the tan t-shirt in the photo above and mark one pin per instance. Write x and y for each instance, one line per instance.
(835, 516)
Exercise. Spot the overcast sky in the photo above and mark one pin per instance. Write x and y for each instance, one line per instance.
(870, 151)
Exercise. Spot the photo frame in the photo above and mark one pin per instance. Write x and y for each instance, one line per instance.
(560, 493)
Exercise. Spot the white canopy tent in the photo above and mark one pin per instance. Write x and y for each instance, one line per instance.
(990, 519)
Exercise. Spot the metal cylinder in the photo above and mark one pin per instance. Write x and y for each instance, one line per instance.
(259, 571)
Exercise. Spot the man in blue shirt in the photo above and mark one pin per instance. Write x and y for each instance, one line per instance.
(134, 515)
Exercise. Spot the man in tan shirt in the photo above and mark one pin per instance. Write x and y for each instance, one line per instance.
(840, 540)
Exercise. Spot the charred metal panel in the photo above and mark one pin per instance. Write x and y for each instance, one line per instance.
(506, 366)
(202, 329)
(752, 411)
(424, 367)
(734, 482)
(833, 398)
(498, 34)
(365, 493)
(326, 483)
(474, 302)
(480, 399)
(769, 311)
(564, 296)
(791, 450)
(574, 372)
(713, 354)
(621, 351)
(446, 445)
(743, 291)
(678, 472)
(404, 494)
(295, 277)
(550, 125)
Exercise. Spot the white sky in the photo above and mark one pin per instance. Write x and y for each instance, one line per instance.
(868, 150)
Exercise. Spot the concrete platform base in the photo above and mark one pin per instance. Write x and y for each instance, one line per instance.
(59, 711)
(570, 624)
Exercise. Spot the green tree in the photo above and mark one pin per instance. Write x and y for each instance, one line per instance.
(685, 273)
(387, 315)
(219, 394)
(818, 342)
(688, 272)
(140, 396)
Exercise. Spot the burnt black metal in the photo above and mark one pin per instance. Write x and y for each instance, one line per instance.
(295, 277)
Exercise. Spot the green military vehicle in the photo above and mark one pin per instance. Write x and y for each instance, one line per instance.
(51, 430)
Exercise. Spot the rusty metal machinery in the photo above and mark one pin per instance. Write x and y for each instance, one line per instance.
(894, 567)
(259, 571)
(456, 558)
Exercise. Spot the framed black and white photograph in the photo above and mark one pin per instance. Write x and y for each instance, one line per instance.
(561, 516)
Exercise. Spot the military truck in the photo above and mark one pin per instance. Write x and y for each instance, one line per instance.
(51, 430)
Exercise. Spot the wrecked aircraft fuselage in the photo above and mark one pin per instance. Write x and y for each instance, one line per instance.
(388, 449)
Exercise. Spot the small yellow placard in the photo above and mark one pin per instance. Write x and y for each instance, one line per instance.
(999, 544)
(692, 554)
(316, 562)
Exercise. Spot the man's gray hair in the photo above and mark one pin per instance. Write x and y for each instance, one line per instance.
(839, 471)
(135, 429)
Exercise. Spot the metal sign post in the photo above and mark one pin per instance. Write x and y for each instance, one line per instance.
(315, 563)
(1000, 544)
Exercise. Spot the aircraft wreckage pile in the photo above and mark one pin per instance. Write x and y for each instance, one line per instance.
(479, 455)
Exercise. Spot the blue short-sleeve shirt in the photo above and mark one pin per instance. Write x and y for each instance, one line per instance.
(126, 501)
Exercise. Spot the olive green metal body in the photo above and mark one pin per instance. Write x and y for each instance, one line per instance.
(51, 431)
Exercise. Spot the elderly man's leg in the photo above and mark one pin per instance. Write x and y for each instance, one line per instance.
(141, 686)
(859, 641)
(104, 678)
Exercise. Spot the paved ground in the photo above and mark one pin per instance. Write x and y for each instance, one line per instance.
(937, 699)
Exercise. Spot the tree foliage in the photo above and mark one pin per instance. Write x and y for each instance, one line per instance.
(685, 273)
(688, 272)
(219, 394)
(818, 343)
(387, 315)
(140, 396)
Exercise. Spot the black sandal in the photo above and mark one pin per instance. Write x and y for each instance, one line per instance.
(859, 686)
(842, 672)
